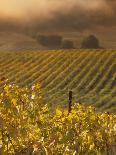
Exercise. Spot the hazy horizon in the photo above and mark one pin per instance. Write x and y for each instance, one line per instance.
(66, 16)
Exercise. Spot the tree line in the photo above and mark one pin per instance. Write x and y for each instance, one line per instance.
(58, 42)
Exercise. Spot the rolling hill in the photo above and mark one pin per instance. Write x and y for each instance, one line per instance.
(11, 41)
(90, 74)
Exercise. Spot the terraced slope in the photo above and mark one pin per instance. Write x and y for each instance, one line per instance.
(90, 74)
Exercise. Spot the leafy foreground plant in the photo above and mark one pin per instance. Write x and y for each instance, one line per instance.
(28, 126)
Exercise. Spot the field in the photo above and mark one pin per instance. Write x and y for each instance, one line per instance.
(90, 74)
(34, 113)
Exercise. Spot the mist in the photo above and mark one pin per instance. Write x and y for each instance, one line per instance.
(57, 15)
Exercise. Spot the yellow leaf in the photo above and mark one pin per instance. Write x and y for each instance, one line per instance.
(58, 112)
(14, 101)
(65, 112)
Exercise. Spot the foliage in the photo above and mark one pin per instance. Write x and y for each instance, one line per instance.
(50, 40)
(54, 42)
(68, 44)
(90, 42)
(89, 73)
(18, 112)
(28, 125)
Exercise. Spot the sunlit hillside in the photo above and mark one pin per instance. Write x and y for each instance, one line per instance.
(90, 74)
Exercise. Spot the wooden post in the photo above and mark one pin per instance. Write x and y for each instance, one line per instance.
(107, 144)
(70, 102)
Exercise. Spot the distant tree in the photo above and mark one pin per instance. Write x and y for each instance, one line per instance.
(54, 41)
(67, 44)
(42, 40)
(90, 42)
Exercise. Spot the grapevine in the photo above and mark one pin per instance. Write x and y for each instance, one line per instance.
(30, 126)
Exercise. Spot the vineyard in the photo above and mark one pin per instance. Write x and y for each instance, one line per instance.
(90, 74)
(28, 126)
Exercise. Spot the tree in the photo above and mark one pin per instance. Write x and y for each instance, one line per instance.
(52, 41)
(67, 44)
(90, 42)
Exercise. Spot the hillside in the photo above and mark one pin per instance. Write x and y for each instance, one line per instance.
(14, 41)
(11, 41)
(90, 74)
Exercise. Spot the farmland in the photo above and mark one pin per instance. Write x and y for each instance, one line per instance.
(90, 74)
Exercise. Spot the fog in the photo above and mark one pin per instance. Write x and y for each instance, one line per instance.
(62, 15)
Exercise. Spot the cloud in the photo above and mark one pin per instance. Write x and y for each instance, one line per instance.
(62, 15)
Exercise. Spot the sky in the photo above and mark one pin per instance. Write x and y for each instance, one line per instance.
(58, 15)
